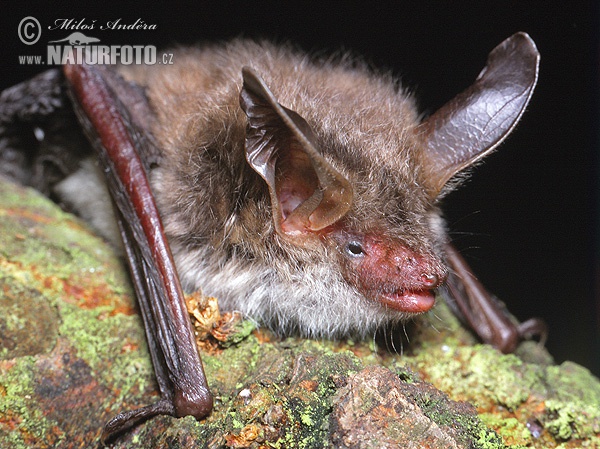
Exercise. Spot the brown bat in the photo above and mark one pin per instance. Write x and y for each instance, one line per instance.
(304, 193)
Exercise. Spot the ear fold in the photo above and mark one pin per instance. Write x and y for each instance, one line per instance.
(476, 121)
(307, 193)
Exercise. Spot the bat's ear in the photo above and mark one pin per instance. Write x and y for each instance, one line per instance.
(307, 193)
(477, 120)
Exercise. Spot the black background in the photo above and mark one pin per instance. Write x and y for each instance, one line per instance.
(527, 219)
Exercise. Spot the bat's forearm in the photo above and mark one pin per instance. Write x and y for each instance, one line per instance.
(175, 356)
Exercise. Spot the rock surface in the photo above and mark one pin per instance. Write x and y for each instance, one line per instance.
(73, 354)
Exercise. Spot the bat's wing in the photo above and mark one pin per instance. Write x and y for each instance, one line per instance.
(114, 115)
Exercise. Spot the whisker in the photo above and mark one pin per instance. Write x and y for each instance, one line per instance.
(392, 343)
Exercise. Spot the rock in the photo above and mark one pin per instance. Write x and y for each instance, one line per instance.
(378, 409)
(73, 354)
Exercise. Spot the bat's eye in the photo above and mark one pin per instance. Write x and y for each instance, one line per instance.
(355, 249)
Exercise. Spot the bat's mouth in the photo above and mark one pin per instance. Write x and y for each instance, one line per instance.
(410, 301)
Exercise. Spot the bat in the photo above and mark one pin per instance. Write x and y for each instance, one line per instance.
(303, 192)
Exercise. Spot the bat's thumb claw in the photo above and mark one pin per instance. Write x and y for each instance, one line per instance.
(124, 421)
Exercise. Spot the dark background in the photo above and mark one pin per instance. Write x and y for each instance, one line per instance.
(527, 219)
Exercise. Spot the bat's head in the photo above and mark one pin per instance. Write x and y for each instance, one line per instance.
(371, 201)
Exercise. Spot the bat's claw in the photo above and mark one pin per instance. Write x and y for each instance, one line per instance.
(126, 420)
(533, 327)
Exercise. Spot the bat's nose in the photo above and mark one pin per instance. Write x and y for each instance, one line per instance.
(420, 271)
(430, 280)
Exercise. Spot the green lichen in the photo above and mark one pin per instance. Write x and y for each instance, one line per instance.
(488, 440)
(573, 411)
(12, 196)
(223, 370)
(100, 341)
(571, 420)
(512, 431)
(18, 405)
(37, 235)
(478, 374)
(507, 379)
(28, 323)
(241, 331)
(572, 382)
(471, 430)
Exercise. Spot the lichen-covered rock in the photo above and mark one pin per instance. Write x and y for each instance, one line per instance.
(73, 354)
(377, 409)
(68, 328)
